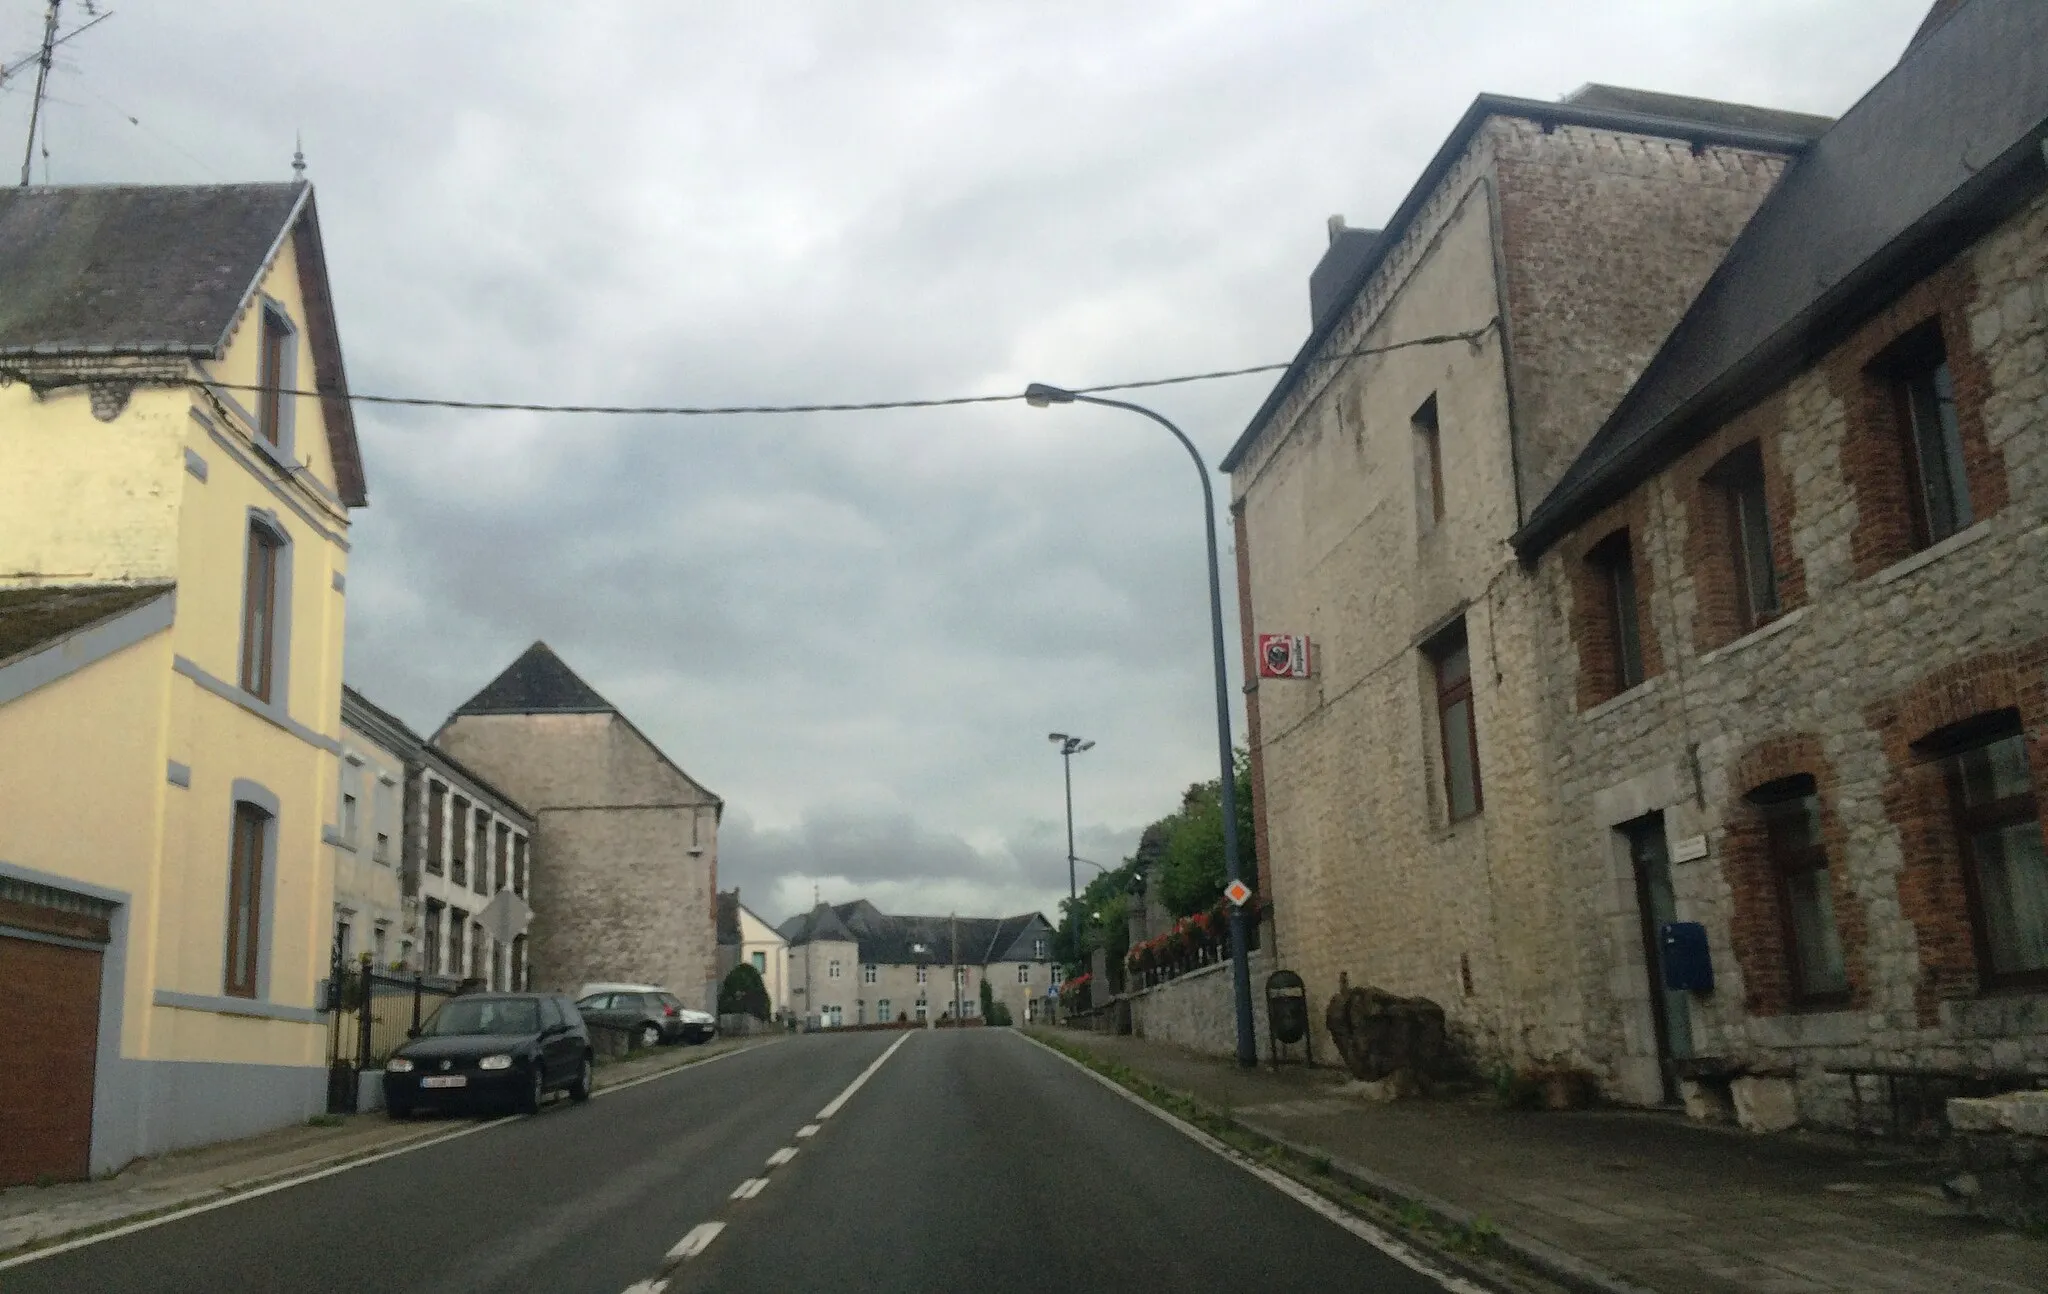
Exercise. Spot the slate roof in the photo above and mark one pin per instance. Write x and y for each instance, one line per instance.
(887, 940)
(392, 732)
(1939, 150)
(537, 683)
(133, 270)
(1701, 121)
(33, 618)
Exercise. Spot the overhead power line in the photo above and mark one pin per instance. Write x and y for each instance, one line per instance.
(1471, 335)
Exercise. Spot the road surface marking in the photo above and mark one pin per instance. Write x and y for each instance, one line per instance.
(647, 1287)
(696, 1242)
(178, 1215)
(748, 1189)
(1281, 1182)
(210, 1205)
(865, 1075)
(808, 1130)
(782, 1156)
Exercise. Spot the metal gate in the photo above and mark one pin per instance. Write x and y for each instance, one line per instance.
(370, 1013)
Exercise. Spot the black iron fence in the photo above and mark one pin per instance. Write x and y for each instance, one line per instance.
(370, 1013)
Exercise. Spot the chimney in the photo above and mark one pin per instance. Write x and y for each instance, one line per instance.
(1330, 282)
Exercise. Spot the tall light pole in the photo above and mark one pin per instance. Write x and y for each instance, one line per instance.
(1070, 747)
(1038, 395)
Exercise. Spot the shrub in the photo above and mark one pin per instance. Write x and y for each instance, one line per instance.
(743, 993)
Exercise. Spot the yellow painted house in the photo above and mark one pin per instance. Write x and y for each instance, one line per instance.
(173, 558)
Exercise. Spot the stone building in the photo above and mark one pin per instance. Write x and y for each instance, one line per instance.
(628, 891)
(1401, 793)
(461, 848)
(1795, 619)
(744, 937)
(849, 963)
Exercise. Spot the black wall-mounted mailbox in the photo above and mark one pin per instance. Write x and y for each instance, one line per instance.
(1688, 966)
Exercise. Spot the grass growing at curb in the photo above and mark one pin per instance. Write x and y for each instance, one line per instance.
(1476, 1249)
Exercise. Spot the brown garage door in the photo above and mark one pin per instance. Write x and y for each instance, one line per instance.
(49, 1032)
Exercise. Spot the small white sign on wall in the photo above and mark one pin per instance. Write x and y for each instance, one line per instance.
(1689, 849)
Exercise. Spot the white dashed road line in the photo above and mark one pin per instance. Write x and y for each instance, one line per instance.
(696, 1242)
(865, 1075)
(782, 1156)
(748, 1189)
(647, 1287)
(808, 1130)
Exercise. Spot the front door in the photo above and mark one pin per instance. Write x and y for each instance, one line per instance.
(49, 1044)
(1658, 905)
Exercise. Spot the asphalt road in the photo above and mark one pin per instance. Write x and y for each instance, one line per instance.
(963, 1161)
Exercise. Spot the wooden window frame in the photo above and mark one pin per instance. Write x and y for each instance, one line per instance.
(430, 935)
(273, 365)
(481, 880)
(260, 599)
(1788, 859)
(501, 858)
(1740, 480)
(458, 839)
(437, 813)
(1445, 648)
(1917, 367)
(458, 925)
(1970, 821)
(1614, 563)
(249, 843)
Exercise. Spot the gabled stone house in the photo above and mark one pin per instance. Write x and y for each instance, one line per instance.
(1402, 799)
(628, 892)
(1796, 594)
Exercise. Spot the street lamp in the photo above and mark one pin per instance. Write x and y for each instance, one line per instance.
(1039, 395)
(1070, 747)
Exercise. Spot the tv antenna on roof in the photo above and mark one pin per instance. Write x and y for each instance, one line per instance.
(42, 59)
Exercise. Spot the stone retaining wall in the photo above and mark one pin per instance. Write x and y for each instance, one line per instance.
(1197, 1011)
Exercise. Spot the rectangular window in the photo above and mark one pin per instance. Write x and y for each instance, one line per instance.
(502, 860)
(832, 970)
(275, 361)
(1939, 485)
(1999, 822)
(923, 1011)
(1024, 973)
(1452, 664)
(519, 866)
(921, 973)
(1038, 949)
(476, 949)
(458, 842)
(383, 854)
(882, 1015)
(483, 852)
(1058, 975)
(344, 944)
(437, 807)
(1429, 465)
(868, 973)
(1741, 482)
(959, 977)
(1813, 941)
(458, 921)
(760, 961)
(259, 612)
(378, 942)
(430, 939)
(1615, 563)
(348, 820)
(245, 899)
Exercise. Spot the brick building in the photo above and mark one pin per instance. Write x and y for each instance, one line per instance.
(1715, 601)
(630, 841)
(1401, 793)
(1797, 617)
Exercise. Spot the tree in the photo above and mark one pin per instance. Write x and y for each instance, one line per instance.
(1191, 872)
(743, 993)
(988, 1001)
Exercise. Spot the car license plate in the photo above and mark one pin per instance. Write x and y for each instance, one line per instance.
(445, 1080)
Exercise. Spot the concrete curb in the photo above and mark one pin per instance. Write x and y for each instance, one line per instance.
(1545, 1260)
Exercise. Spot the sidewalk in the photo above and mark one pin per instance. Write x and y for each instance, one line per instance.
(1640, 1199)
(32, 1216)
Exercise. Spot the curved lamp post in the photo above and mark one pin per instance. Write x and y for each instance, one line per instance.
(1039, 395)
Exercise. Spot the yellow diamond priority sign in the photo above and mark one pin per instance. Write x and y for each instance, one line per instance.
(1237, 892)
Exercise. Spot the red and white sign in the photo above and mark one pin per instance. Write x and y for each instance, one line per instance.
(1237, 892)
(1283, 656)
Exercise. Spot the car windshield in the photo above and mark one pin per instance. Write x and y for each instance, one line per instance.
(483, 1016)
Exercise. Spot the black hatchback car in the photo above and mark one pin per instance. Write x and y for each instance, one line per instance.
(491, 1048)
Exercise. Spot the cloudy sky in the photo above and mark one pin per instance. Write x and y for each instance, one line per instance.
(856, 628)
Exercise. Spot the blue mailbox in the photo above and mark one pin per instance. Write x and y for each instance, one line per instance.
(1688, 966)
